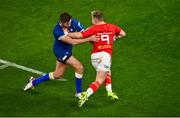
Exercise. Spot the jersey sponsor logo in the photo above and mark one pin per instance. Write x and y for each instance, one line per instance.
(104, 46)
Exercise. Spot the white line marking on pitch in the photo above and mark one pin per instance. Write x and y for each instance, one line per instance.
(21, 67)
(4, 66)
(7, 64)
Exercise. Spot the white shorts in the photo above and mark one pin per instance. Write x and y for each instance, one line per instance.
(101, 61)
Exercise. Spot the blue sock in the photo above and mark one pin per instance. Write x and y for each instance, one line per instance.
(41, 79)
(78, 85)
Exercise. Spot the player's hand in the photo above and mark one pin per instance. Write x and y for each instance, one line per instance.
(93, 38)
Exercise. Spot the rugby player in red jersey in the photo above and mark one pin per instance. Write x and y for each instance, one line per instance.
(101, 54)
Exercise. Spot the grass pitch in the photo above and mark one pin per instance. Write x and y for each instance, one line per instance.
(145, 69)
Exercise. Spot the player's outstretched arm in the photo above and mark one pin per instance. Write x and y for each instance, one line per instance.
(75, 35)
(69, 40)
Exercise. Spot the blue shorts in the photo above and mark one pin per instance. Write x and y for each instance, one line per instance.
(62, 55)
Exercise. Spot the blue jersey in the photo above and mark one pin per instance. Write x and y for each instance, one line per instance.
(62, 49)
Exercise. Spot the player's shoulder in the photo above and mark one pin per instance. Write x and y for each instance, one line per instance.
(74, 21)
(57, 29)
(93, 27)
(112, 25)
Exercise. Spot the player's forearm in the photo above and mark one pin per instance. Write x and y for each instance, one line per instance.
(76, 41)
(79, 41)
(75, 35)
(69, 40)
(119, 36)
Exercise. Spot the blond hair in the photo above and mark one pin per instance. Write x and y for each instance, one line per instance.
(97, 14)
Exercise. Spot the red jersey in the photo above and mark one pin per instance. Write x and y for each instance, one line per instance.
(105, 33)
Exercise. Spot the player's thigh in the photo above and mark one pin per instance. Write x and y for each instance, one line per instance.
(60, 69)
(105, 64)
(95, 60)
(101, 61)
(75, 63)
(62, 55)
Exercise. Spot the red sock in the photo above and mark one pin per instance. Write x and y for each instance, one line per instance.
(94, 86)
(108, 79)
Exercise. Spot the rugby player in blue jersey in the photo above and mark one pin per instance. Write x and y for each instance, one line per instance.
(63, 51)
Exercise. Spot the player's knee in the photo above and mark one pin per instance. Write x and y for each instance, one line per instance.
(57, 75)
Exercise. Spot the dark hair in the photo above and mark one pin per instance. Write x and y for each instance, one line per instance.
(65, 17)
(97, 14)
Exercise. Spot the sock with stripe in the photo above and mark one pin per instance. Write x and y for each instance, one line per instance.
(45, 77)
(93, 88)
(107, 83)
